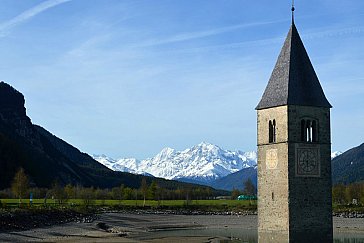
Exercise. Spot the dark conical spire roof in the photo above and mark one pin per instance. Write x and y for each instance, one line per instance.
(293, 80)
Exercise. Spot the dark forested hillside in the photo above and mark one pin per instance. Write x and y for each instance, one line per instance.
(349, 166)
(236, 180)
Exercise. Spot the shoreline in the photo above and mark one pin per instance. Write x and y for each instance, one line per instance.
(162, 227)
(25, 219)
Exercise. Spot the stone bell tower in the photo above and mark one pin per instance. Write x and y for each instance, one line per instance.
(294, 151)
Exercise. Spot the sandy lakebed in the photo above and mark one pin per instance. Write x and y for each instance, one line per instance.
(161, 227)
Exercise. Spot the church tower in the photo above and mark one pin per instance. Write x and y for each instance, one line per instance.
(294, 151)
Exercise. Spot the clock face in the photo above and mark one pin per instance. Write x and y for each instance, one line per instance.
(307, 161)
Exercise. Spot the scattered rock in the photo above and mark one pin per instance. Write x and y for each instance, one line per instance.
(103, 226)
(28, 219)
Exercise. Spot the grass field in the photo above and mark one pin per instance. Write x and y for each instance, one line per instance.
(204, 205)
(138, 203)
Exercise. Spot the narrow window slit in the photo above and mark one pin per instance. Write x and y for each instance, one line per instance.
(274, 131)
(270, 132)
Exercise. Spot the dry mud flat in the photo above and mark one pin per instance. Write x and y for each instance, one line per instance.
(132, 227)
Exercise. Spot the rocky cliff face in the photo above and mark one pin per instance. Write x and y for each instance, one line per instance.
(11, 101)
(13, 113)
(22, 145)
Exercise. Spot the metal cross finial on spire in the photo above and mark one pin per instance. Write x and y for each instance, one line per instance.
(293, 9)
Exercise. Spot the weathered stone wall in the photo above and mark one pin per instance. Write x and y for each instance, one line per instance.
(310, 209)
(273, 177)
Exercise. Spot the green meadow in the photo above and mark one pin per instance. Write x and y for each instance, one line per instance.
(165, 204)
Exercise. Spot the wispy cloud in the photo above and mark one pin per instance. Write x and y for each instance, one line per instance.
(334, 32)
(279, 39)
(201, 34)
(28, 14)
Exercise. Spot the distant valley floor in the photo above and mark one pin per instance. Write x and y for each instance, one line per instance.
(127, 227)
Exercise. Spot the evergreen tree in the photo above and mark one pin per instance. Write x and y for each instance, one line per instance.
(153, 190)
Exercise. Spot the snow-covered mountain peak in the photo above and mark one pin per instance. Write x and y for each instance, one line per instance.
(206, 149)
(335, 154)
(203, 162)
(252, 155)
(165, 154)
(126, 164)
(102, 156)
(208, 146)
(105, 160)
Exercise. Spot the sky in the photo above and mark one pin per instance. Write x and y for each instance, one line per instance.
(127, 78)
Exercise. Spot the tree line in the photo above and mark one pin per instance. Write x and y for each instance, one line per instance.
(20, 189)
(348, 194)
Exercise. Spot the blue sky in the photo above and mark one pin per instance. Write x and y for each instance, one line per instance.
(127, 78)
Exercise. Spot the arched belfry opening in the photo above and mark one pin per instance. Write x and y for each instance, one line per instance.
(272, 131)
(309, 130)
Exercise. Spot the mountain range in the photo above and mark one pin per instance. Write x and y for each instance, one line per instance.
(203, 163)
